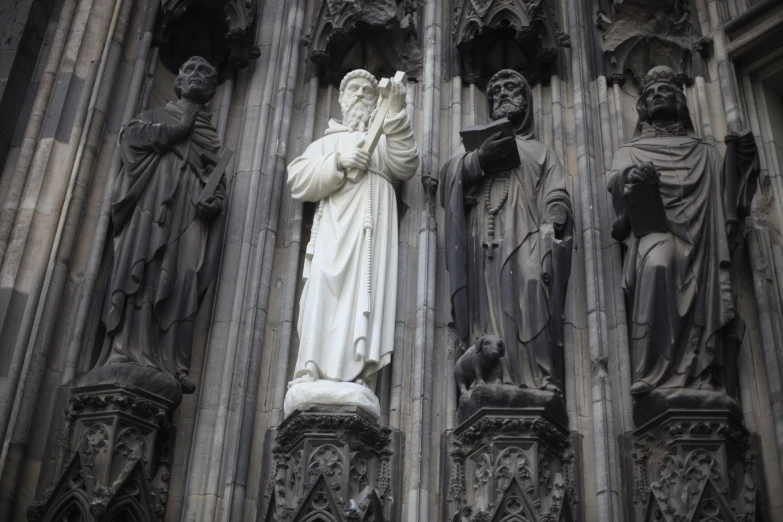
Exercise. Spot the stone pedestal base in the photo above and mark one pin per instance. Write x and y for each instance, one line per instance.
(692, 464)
(114, 457)
(511, 464)
(337, 464)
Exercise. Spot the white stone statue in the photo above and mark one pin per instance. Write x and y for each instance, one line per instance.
(346, 312)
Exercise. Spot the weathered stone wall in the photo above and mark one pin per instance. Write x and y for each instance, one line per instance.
(99, 66)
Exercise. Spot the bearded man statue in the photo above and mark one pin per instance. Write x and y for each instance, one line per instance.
(167, 239)
(508, 242)
(347, 307)
(679, 205)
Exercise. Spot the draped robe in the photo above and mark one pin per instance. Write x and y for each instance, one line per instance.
(678, 281)
(165, 255)
(506, 295)
(335, 334)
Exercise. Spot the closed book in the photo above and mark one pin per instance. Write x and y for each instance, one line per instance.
(644, 208)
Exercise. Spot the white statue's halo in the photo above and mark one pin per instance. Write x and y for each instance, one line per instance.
(331, 394)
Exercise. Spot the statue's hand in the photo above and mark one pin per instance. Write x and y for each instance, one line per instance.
(208, 208)
(643, 173)
(557, 215)
(495, 150)
(180, 131)
(396, 97)
(356, 158)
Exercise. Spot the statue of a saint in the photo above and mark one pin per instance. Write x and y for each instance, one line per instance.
(344, 335)
(508, 242)
(167, 235)
(678, 205)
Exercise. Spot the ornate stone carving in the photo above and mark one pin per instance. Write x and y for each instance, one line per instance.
(220, 30)
(519, 464)
(379, 36)
(693, 466)
(523, 35)
(636, 35)
(339, 466)
(115, 449)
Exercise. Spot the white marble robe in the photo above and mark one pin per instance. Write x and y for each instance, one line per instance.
(335, 334)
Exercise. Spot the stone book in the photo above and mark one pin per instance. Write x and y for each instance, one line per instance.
(475, 135)
(645, 210)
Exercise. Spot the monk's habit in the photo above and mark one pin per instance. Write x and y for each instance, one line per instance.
(335, 333)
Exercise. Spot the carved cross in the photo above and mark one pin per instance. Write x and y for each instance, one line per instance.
(490, 248)
(219, 168)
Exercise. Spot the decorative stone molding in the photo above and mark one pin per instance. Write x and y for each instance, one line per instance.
(523, 35)
(693, 465)
(338, 465)
(116, 446)
(511, 464)
(377, 35)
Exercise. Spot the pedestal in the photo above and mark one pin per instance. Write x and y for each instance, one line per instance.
(336, 463)
(512, 464)
(114, 454)
(691, 464)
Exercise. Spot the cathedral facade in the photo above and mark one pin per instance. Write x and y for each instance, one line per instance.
(621, 360)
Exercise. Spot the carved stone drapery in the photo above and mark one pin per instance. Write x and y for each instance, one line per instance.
(115, 449)
(523, 35)
(340, 466)
(375, 35)
(219, 30)
(511, 462)
(692, 465)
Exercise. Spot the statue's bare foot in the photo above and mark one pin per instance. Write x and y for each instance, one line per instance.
(311, 374)
(551, 388)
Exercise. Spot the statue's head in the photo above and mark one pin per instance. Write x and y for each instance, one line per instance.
(197, 81)
(358, 97)
(662, 101)
(508, 96)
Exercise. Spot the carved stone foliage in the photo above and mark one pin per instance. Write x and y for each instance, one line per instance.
(219, 30)
(376, 35)
(338, 466)
(116, 450)
(514, 464)
(636, 35)
(693, 466)
(524, 35)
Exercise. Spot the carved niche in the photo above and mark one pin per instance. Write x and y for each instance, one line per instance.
(523, 35)
(376, 35)
(219, 30)
(636, 35)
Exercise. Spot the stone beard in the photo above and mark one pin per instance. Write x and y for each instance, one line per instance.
(508, 265)
(338, 341)
(677, 279)
(167, 244)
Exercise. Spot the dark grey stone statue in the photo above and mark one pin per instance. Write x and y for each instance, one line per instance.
(508, 242)
(167, 229)
(679, 206)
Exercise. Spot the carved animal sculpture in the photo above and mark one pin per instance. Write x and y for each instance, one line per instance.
(480, 364)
